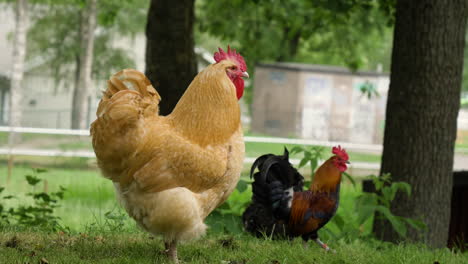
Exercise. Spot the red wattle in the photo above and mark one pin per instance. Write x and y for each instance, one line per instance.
(239, 84)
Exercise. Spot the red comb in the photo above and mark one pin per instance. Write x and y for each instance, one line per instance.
(341, 152)
(230, 54)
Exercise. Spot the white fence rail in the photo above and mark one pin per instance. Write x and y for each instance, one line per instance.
(367, 148)
(24, 151)
(349, 146)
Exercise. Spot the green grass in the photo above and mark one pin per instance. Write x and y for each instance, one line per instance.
(88, 195)
(31, 247)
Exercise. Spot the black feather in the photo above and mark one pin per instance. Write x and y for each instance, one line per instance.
(267, 213)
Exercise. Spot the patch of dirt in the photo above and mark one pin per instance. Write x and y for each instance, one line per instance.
(13, 242)
(228, 243)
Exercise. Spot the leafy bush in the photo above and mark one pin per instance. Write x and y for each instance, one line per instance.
(38, 214)
(313, 155)
(368, 204)
(228, 217)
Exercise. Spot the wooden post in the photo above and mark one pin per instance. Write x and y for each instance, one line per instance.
(46, 186)
(10, 168)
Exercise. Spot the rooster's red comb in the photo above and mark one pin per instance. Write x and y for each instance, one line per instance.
(341, 152)
(232, 55)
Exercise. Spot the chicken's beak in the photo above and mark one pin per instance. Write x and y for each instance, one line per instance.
(245, 74)
(347, 162)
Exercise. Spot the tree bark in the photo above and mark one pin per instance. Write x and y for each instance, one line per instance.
(83, 85)
(422, 108)
(19, 53)
(170, 57)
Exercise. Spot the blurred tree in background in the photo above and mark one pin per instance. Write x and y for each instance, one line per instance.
(21, 8)
(56, 45)
(84, 65)
(328, 32)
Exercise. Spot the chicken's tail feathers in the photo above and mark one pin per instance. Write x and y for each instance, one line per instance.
(130, 79)
(275, 173)
(129, 95)
(129, 98)
(258, 163)
(276, 168)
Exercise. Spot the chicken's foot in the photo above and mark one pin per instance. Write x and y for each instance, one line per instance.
(171, 251)
(324, 246)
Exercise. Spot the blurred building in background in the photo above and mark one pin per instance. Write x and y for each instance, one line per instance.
(319, 102)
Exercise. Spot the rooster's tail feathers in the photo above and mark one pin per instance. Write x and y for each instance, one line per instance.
(128, 95)
(274, 172)
(130, 79)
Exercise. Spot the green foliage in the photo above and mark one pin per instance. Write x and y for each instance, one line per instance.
(354, 221)
(38, 214)
(298, 30)
(227, 217)
(311, 155)
(369, 89)
(237, 201)
(114, 220)
(368, 204)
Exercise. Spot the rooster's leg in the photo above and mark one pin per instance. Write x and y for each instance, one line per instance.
(305, 244)
(323, 245)
(171, 251)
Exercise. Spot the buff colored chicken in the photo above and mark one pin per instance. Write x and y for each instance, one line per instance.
(171, 171)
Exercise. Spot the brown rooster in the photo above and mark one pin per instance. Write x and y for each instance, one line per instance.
(171, 171)
(298, 213)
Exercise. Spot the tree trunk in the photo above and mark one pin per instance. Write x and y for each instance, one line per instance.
(422, 108)
(291, 43)
(19, 52)
(170, 57)
(83, 86)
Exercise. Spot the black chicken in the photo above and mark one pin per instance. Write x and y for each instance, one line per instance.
(259, 219)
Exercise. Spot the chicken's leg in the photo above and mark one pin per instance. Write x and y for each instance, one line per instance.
(323, 245)
(171, 251)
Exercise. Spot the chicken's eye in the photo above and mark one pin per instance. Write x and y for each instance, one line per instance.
(233, 68)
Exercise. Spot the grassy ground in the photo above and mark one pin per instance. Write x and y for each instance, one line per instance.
(32, 247)
(89, 196)
(95, 238)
